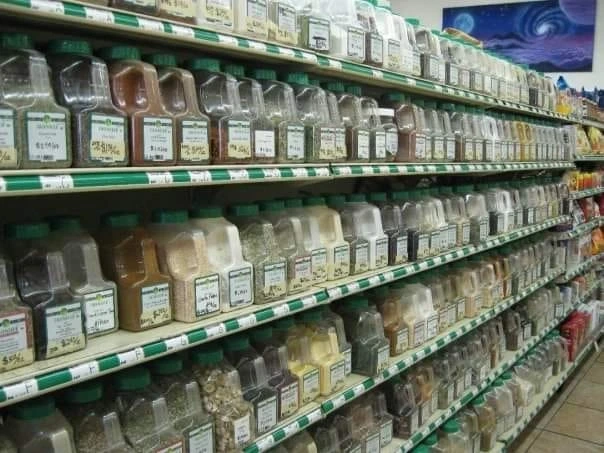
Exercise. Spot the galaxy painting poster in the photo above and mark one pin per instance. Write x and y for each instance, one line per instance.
(549, 36)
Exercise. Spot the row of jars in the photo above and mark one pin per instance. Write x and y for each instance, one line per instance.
(365, 31)
(75, 109)
(189, 268)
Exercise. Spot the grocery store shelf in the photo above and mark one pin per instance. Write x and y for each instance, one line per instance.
(356, 284)
(592, 123)
(586, 193)
(352, 170)
(118, 24)
(550, 389)
(441, 416)
(581, 228)
(357, 385)
(590, 158)
(577, 270)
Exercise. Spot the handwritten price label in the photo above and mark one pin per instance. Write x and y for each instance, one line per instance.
(160, 177)
(47, 6)
(99, 15)
(56, 182)
(84, 370)
(20, 390)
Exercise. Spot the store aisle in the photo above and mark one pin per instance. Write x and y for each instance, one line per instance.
(573, 421)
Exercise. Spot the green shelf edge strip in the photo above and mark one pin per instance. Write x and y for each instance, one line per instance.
(93, 14)
(31, 387)
(586, 193)
(582, 228)
(343, 397)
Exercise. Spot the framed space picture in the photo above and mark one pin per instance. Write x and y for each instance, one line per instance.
(549, 36)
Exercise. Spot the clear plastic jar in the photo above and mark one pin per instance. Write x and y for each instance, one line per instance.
(282, 22)
(390, 31)
(374, 41)
(411, 143)
(335, 321)
(36, 426)
(401, 401)
(215, 14)
(58, 314)
(314, 28)
(392, 224)
(226, 256)
(96, 424)
(222, 398)
(344, 425)
(251, 18)
(487, 422)
(347, 34)
(86, 280)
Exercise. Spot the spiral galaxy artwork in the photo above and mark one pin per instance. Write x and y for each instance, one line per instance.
(549, 36)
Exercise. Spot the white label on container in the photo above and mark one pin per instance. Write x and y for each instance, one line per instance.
(402, 340)
(376, 48)
(157, 139)
(381, 252)
(452, 235)
(361, 258)
(286, 22)
(347, 361)
(64, 329)
(240, 287)
(310, 386)
(526, 333)
(201, 439)
(453, 75)
(464, 77)
(468, 379)
(414, 421)
(461, 308)
(420, 147)
(401, 250)
(256, 16)
(340, 139)
(275, 279)
(107, 138)
(337, 372)
(356, 43)
(99, 308)
(289, 399)
(241, 430)
(383, 356)
(318, 34)
(434, 402)
(391, 143)
(363, 144)
(385, 433)
(484, 229)
(423, 245)
(155, 305)
(450, 394)
(432, 326)
(264, 143)
(483, 372)
(302, 271)
(439, 148)
(435, 242)
(194, 146)
(47, 6)
(559, 310)
(444, 238)
(13, 341)
(380, 145)
(8, 149)
(295, 142)
(327, 146)
(450, 149)
(372, 443)
(452, 314)
(207, 294)
(419, 333)
(239, 144)
(46, 136)
(319, 264)
(266, 414)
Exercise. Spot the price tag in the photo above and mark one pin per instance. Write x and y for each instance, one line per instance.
(99, 15)
(281, 310)
(257, 45)
(133, 356)
(367, 169)
(265, 443)
(335, 293)
(384, 169)
(216, 330)
(344, 171)
(287, 51)
(438, 88)
(200, 176)
(149, 24)
(309, 57)
(335, 64)
(271, 173)
(291, 429)
(230, 40)
(17, 391)
(176, 342)
(179, 30)
(84, 370)
(322, 171)
(309, 301)
(300, 172)
(56, 182)
(160, 177)
(47, 6)
(338, 401)
(377, 74)
(247, 321)
(2, 184)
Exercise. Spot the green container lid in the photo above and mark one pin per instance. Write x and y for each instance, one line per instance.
(336, 200)
(209, 354)
(399, 195)
(478, 401)
(355, 303)
(446, 189)
(419, 102)
(412, 21)
(119, 53)
(263, 333)
(334, 86)
(170, 364)
(431, 440)
(430, 105)
(377, 196)
(35, 409)
(204, 64)
(120, 220)
(506, 376)
(206, 212)
(84, 393)
(300, 78)
(65, 223)
(69, 46)
(497, 383)
(136, 378)
(284, 323)
(236, 343)
(314, 82)
(421, 448)
(354, 90)
(293, 203)
(16, 41)
(236, 70)
(31, 230)
(244, 210)
(166, 216)
(311, 316)
(356, 198)
(451, 426)
(399, 284)
(314, 201)
(380, 291)
(263, 74)
(161, 59)
(272, 206)
(394, 97)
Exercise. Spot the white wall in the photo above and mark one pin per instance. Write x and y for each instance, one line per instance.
(430, 12)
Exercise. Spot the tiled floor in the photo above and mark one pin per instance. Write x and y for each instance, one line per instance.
(573, 421)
